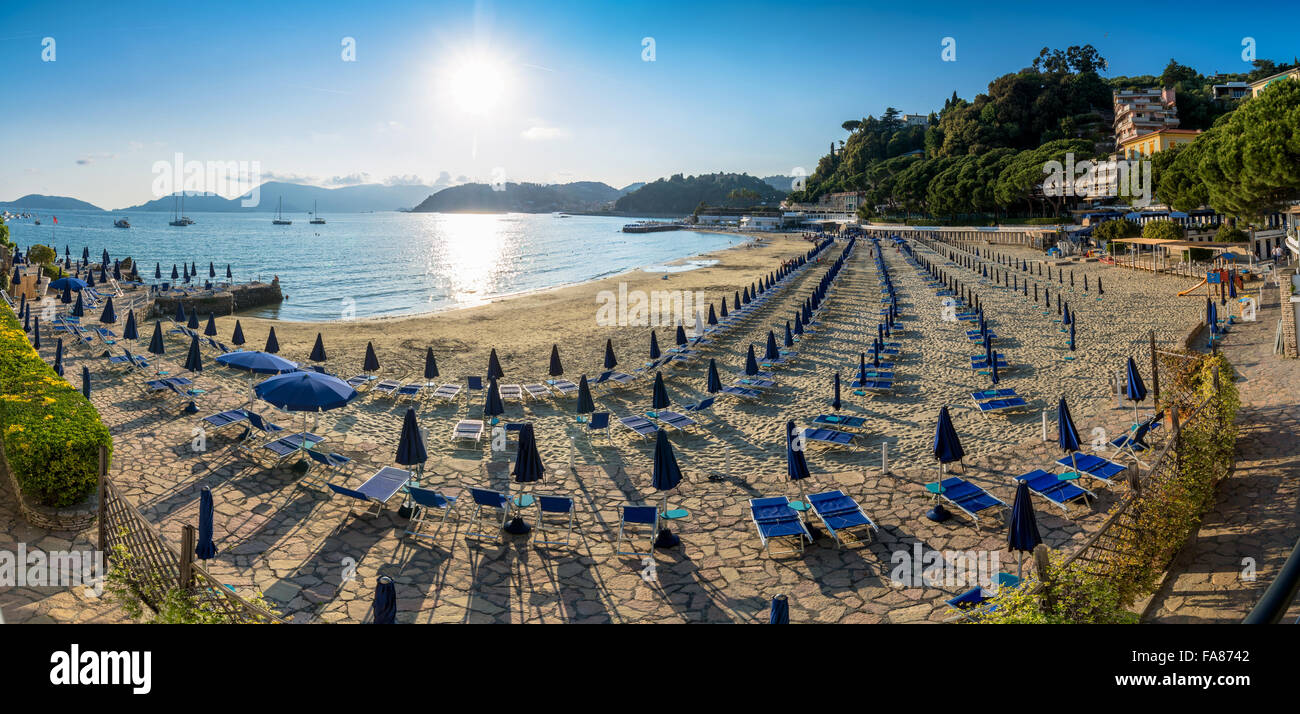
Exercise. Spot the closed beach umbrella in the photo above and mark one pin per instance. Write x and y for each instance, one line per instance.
(771, 353)
(585, 403)
(751, 362)
(492, 404)
(993, 367)
(789, 339)
(1067, 437)
(1135, 391)
(835, 401)
(723, 310)
(179, 317)
(1065, 319)
(108, 316)
(430, 365)
(194, 360)
(654, 346)
(175, 273)
(79, 309)
(90, 278)
(494, 366)
(27, 320)
(713, 384)
(798, 325)
(36, 332)
(947, 449)
(862, 367)
(681, 336)
(237, 337)
(385, 601)
(371, 362)
(85, 381)
(528, 469)
(58, 357)
(193, 322)
(318, 350)
(212, 270)
(610, 360)
(1072, 324)
(272, 344)
(157, 271)
(206, 548)
(780, 613)
(256, 362)
(713, 316)
(659, 397)
(665, 476)
(228, 273)
(211, 329)
(556, 369)
(156, 342)
(410, 445)
(1100, 291)
(130, 332)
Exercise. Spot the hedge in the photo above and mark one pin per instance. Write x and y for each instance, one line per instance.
(51, 434)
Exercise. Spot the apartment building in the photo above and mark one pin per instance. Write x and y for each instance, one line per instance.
(1141, 111)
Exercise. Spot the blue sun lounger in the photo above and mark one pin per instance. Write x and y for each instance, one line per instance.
(756, 383)
(1058, 491)
(843, 517)
(681, 422)
(830, 437)
(377, 491)
(982, 362)
(700, 406)
(425, 502)
(611, 377)
(874, 385)
(642, 426)
(1092, 466)
(841, 422)
(742, 392)
(1134, 442)
(970, 601)
(285, 447)
(562, 387)
(1010, 404)
(777, 521)
(966, 497)
(486, 499)
(224, 419)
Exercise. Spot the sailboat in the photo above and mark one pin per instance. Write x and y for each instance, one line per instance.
(181, 219)
(279, 215)
(316, 220)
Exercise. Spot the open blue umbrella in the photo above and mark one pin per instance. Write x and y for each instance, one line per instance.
(430, 365)
(68, 283)
(211, 329)
(130, 332)
(947, 449)
(385, 601)
(272, 344)
(1135, 391)
(410, 445)
(156, 342)
(610, 361)
(85, 381)
(556, 369)
(492, 404)
(206, 548)
(256, 362)
(713, 384)
(780, 613)
(835, 402)
(585, 403)
(193, 322)
(751, 363)
(108, 316)
(494, 366)
(528, 469)
(305, 392)
(771, 353)
(238, 336)
(665, 476)
(654, 346)
(681, 335)
(1022, 532)
(1067, 437)
(659, 399)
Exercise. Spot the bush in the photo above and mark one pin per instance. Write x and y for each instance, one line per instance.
(1117, 228)
(1161, 229)
(1230, 234)
(50, 433)
(42, 254)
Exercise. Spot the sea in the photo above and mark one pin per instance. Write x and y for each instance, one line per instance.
(378, 264)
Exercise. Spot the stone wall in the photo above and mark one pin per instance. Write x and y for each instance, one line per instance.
(72, 518)
(224, 302)
(1289, 347)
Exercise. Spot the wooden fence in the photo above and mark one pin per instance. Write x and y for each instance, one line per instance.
(154, 567)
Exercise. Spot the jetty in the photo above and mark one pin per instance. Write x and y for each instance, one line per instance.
(652, 227)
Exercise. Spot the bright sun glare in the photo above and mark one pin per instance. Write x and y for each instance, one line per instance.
(478, 83)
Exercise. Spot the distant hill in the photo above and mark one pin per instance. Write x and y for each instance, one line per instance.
(681, 194)
(520, 198)
(780, 183)
(49, 203)
(298, 198)
(631, 187)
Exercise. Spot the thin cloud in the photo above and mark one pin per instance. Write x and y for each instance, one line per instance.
(543, 133)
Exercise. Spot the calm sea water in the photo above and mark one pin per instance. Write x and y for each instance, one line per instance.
(377, 263)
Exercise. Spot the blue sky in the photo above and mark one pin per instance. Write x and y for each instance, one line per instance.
(550, 92)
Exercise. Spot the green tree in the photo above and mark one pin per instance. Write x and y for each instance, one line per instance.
(42, 254)
(1163, 230)
(1230, 234)
(1250, 160)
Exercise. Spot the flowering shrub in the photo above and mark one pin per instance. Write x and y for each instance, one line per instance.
(49, 432)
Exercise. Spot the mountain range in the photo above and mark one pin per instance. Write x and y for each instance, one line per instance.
(298, 198)
(36, 201)
(520, 197)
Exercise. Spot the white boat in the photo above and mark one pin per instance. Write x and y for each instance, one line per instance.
(279, 215)
(316, 220)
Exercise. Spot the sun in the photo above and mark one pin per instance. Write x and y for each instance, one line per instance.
(477, 82)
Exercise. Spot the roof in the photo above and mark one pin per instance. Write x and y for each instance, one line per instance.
(1146, 241)
(1279, 75)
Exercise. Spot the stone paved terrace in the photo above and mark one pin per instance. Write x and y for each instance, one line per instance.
(316, 562)
(1258, 511)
